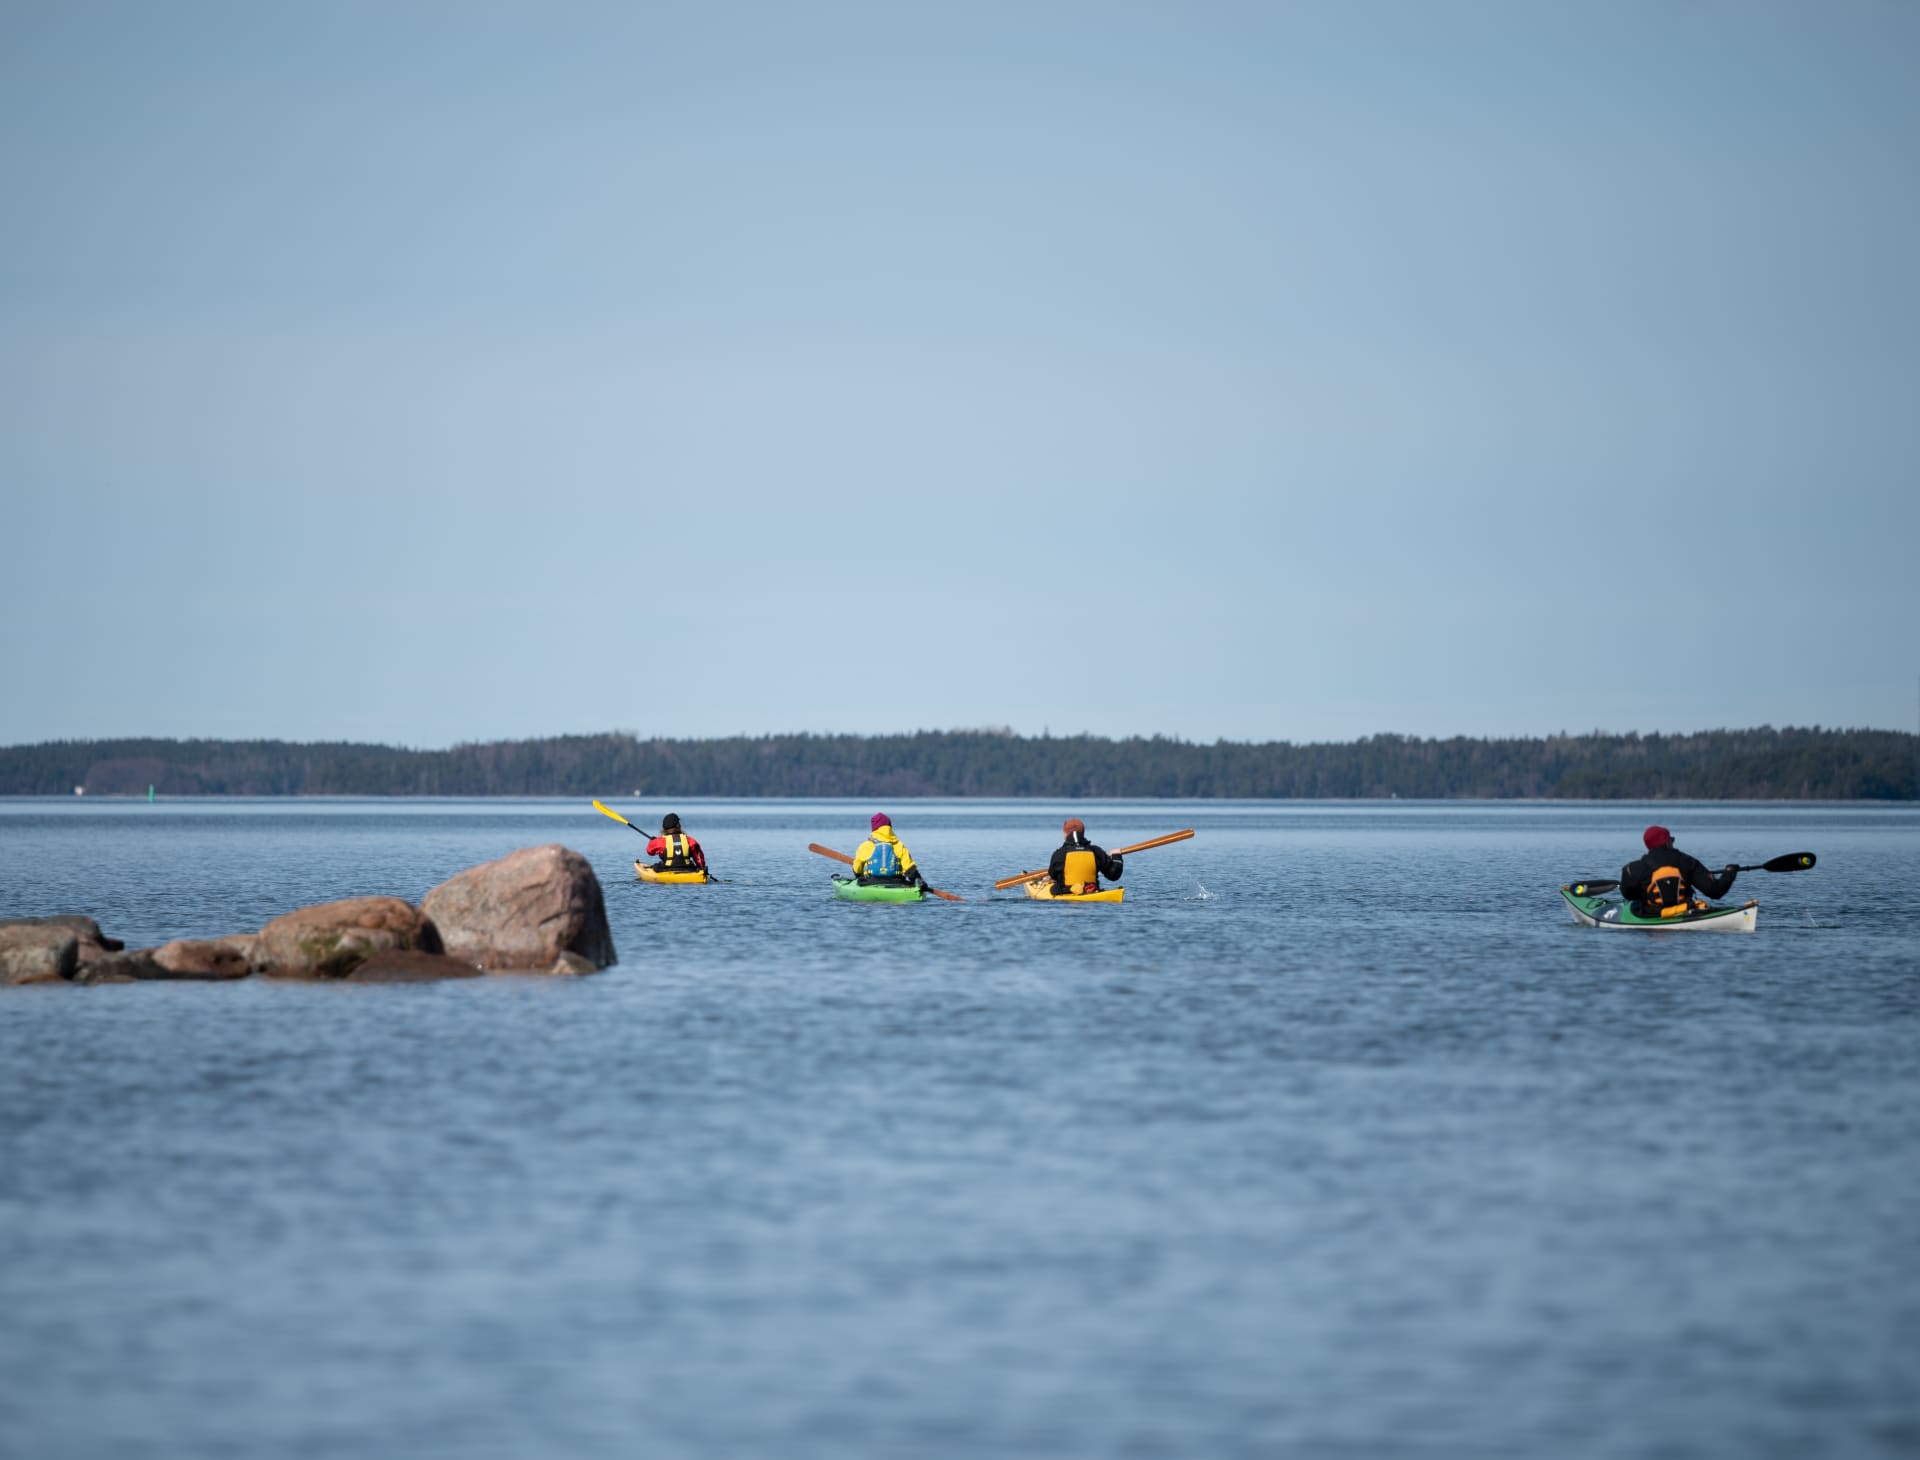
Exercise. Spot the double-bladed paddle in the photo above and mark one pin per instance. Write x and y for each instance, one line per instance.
(609, 811)
(649, 835)
(1159, 841)
(819, 850)
(1790, 862)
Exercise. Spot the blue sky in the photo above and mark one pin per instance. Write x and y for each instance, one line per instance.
(438, 372)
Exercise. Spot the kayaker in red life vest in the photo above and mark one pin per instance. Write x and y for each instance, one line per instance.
(1078, 865)
(677, 852)
(1665, 881)
(884, 859)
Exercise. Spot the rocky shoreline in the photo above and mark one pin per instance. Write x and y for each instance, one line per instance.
(537, 910)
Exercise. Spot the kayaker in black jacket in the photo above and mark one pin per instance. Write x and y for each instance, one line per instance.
(1664, 882)
(1078, 865)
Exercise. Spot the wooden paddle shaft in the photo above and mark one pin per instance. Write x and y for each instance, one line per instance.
(1159, 841)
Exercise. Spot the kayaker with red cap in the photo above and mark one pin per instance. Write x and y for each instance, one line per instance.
(1665, 882)
(883, 858)
(1077, 864)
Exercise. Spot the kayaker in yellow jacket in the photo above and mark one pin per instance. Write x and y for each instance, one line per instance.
(883, 858)
(1078, 865)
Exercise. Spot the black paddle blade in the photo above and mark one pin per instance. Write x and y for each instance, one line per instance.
(1791, 862)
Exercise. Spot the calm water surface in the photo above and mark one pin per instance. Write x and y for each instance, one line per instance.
(1337, 1139)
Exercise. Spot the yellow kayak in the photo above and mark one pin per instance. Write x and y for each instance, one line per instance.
(1042, 891)
(648, 874)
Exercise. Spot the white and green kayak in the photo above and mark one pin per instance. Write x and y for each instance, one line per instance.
(1611, 912)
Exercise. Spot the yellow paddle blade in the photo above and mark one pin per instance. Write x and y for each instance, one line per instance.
(608, 811)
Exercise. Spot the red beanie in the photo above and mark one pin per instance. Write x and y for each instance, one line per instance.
(1657, 836)
(880, 819)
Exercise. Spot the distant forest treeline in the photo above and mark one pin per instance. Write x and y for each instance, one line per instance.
(1763, 764)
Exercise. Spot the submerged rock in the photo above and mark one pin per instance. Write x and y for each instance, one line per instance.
(217, 958)
(404, 967)
(133, 966)
(525, 912)
(333, 939)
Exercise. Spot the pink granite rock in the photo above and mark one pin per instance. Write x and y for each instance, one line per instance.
(524, 912)
(332, 939)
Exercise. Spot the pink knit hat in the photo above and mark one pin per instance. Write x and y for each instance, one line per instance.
(880, 819)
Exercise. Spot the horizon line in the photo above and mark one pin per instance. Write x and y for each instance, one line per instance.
(994, 732)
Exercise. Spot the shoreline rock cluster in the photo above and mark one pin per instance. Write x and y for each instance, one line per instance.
(537, 910)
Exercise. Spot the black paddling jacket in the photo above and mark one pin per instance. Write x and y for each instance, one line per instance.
(1110, 867)
(1636, 880)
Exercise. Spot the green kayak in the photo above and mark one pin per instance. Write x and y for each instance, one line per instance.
(1610, 912)
(849, 890)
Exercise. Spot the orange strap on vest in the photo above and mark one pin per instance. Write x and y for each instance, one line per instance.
(1667, 890)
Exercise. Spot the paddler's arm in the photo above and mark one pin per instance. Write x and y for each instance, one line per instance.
(1633, 882)
(1709, 884)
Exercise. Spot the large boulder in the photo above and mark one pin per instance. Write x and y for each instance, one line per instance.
(525, 912)
(37, 950)
(332, 939)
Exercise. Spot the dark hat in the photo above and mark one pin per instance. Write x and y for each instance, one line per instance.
(880, 819)
(1657, 836)
(670, 822)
